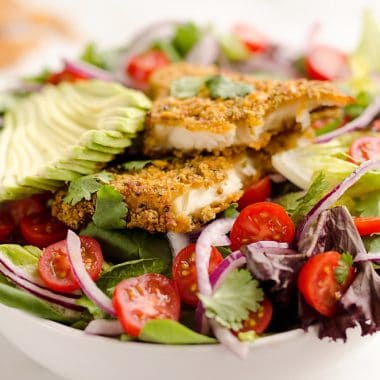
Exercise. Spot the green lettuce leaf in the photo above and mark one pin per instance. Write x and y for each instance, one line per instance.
(369, 205)
(231, 211)
(186, 36)
(234, 299)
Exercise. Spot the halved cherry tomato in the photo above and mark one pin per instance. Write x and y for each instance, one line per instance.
(254, 40)
(326, 63)
(141, 299)
(262, 221)
(21, 208)
(365, 148)
(141, 66)
(66, 76)
(367, 226)
(185, 272)
(55, 268)
(42, 229)
(258, 321)
(6, 225)
(376, 125)
(318, 285)
(257, 192)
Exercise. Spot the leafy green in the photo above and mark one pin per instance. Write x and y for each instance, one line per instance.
(111, 210)
(135, 165)
(234, 299)
(93, 309)
(22, 300)
(40, 78)
(168, 48)
(231, 211)
(315, 192)
(362, 101)
(330, 126)
(92, 56)
(186, 87)
(369, 205)
(222, 87)
(186, 36)
(372, 243)
(119, 246)
(233, 48)
(224, 251)
(342, 270)
(166, 331)
(84, 187)
(109, 279)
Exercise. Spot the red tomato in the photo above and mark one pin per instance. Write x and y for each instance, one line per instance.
(42, 229)
(6, 225)
(66, 76)
(55, 268)
(254, 40)
(24, 207)
(144, 298)
(258, 321)
(262, 221)
(257, 192)
(365, 148)
(376, 125)
(185, 272)
(367, 226)
(141, 66)
(318, 285)
(326, 63)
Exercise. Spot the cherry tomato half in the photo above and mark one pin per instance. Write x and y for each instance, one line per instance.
(318, 285)
(185, 272)
(367, 226)
(144, 298)
(262, 221)
(141, 66)
(21, 208)
(365, 148)
(258, 321)
(66, 76)
(257, 192)
(55, 269)
(254, 40)
(326, 63)
(42, 229)
(6, 225)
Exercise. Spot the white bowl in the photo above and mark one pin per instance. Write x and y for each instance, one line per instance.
(292, 355)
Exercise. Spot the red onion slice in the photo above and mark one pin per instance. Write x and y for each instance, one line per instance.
(86, 70)
(329, 199)
(45, 294)
(362, 256)
(205, 52)
(104, 327)
(360, 122)
(86, 283)
(177, 242)
(211, 235)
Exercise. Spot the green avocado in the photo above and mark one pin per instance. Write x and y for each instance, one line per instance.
(64, 132)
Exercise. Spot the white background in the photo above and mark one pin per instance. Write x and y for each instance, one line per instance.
(109, 22)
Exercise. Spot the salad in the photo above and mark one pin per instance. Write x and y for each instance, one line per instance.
(192, 188)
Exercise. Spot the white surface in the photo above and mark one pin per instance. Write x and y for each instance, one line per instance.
(110, 22)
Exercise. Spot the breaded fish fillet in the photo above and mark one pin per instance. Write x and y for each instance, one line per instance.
(176, 195)
(204, 124)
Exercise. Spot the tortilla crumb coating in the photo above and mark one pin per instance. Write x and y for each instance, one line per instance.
(151, 193)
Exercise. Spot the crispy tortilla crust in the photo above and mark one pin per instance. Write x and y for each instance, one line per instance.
(221, 116)
(150, 194)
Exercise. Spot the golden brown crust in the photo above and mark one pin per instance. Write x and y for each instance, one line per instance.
(150, 194)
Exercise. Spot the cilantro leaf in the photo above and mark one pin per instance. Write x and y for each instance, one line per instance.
(234, 299)
(222, 87)
(315, 192)
(135, 165)
(370, 205)
(110, 211)
(186, 87)
(231, 211)
(84, 187)
(342, 270)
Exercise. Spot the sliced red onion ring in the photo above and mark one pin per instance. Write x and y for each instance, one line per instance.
(86, 283)
(104, 327)
(45, 294)
(229, 340)
(177, 242)
(329, 199)
(205, 52)
(209, 237)
(86, 70)
(362, 256)
(360, 122)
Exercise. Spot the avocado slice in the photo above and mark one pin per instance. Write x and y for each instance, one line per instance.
(64, 132)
